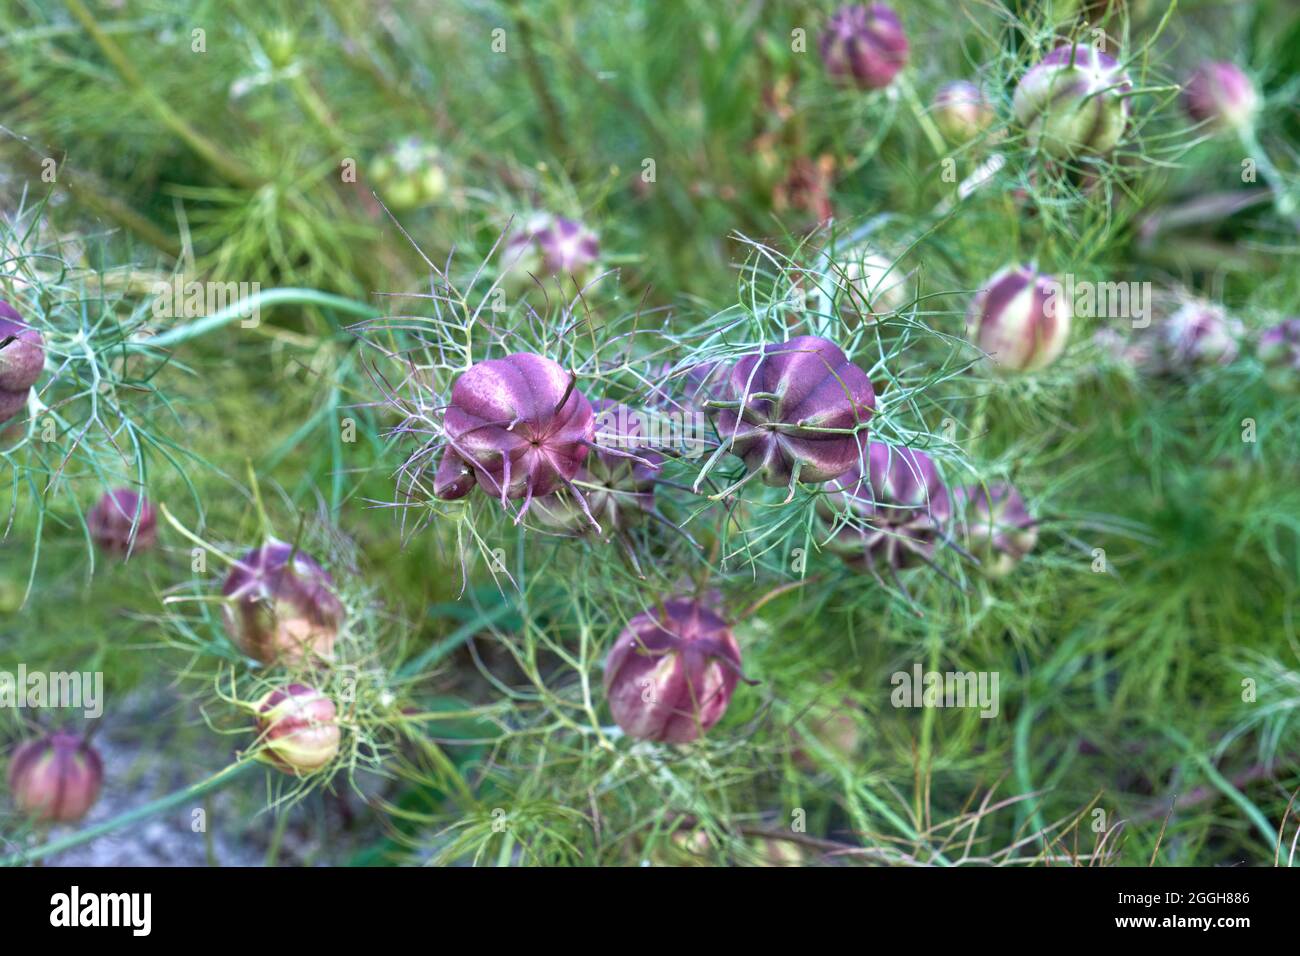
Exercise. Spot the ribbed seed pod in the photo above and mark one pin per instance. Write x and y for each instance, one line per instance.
(1020, 319)
(1220, 95)
(280, 605)
(672, 671)
(115, 514)
(1072, 102)
(299, 728)
(903, 504)
(1198, 335)
(864, 45)
(57, 778)
(795, 411)
(961, 111)
(22, 359)
(997, 529)
(520, 424)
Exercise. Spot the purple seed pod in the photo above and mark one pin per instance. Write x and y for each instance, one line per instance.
(22, 359)
(671, 673)
(1220, 95)
(115, 514)
(997, 528)
(1198, 335)
(1020, 319)
(299, 727)
(1279, 353)
(961, 111)
(617, 481)
(1072, 103)
(282, 610)
(548, 246)
(520, 424)
(56, 779)
(904, 504)
(795, 411)
(864, 45)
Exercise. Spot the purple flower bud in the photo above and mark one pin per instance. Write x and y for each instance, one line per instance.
(619, 488)
(795, 411)
(549, 246)
(22, 359)
(671, 673)
(904, 505)
(56, 779)
(1198, 335)
(299, 727)
(997, 527)
(1279, 352)
(1072, 102)
(1020, 319)
(278, 609)
(864, 45)
(116, 514)
(1220, 95)
(520, 424)
(961, 111)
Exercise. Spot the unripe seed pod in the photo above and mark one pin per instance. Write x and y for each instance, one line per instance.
(411, 175)
(864, 45)
(997, 527)
(1020, 319)
(299, 727)
(1279, 352)
(619, 490)
(1198, 335)
(113, 517)
(903, 502)
(1072, 103)
(793, 409)
(961, 111)
(279, 609)
(548, 246)
(22, 359)
(875, 287)
(520, 424)
(671, 673)
(57, 778)
(1220, 95)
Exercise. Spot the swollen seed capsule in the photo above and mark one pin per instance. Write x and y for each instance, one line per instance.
(864, 45)
(520, 424)
(299, 727)
(671, 673)
(280, 605)
(961, 111)
(22, 359)
(997, 527)
(113, 517)
(1279, 353)
(1020, 319)
(1220, 95)
(1072, 103)
(57, 778)
(796, 410)
(1198, 335)
(903, 509)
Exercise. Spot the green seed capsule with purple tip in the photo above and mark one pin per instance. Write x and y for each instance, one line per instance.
(1072, 102)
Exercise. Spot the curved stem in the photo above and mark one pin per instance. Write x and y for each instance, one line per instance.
(215, 782)
(241, 309)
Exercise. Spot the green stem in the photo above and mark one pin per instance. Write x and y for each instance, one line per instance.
(242, 308)
(221, 778)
